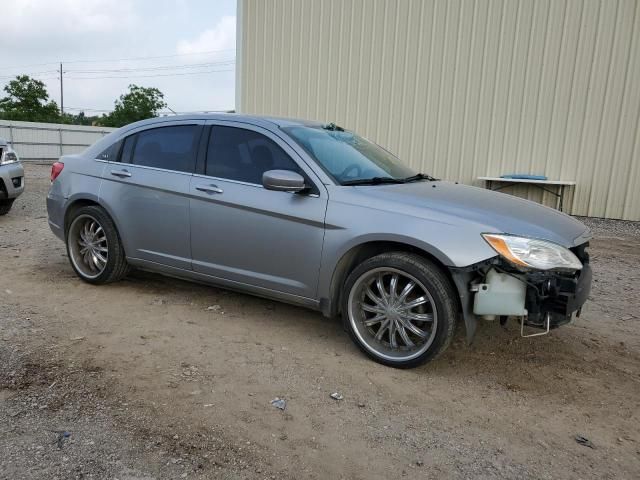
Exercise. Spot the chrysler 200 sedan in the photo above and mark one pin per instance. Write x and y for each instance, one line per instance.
(311, 214)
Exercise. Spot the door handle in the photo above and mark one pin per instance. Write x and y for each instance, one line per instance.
(120, 173)
(209, 188)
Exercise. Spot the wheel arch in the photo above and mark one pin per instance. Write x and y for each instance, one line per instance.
(362, 251)
(84, 201)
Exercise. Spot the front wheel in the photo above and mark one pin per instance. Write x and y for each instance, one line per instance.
(94, 246)
(400, 309)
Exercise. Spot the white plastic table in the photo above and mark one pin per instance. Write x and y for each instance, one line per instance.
(545, 185)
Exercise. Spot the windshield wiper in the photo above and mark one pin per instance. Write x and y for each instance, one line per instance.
(380, 180)
(372, 181)
(418, 177)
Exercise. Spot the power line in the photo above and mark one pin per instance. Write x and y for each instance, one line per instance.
(79, 109)
(46, 72)
(162, 112)
(153, 58)
(157, 68)
(120, 59)
(154, 76)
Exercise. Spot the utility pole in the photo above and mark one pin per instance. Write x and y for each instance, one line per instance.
(61, 92)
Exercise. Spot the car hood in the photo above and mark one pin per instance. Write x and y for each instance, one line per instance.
(448, 202)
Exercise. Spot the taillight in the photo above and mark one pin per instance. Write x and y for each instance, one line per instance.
(56, 169)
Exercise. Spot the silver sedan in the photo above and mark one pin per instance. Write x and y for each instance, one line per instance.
(312, 214)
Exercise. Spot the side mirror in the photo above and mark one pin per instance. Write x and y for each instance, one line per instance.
(283, 181)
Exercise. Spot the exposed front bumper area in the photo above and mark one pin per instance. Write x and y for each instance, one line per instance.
(556, 296)
(11, 181)
(540, 299)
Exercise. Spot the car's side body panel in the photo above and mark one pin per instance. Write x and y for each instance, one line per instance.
(242, 232)
(283, 245)
(152, 206)
(225, 283)
(80, 180)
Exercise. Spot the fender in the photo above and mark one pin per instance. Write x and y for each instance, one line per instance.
(89, 198)
(332, 274)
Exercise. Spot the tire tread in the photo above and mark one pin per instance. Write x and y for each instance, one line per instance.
(117, 267)
(441, 289)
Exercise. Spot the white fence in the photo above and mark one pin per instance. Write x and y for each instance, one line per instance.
(46, 142)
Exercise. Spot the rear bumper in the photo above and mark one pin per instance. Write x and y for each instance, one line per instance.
(11, 181)
(55, 211)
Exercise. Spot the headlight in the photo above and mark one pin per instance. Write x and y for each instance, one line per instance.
(533, 253)
(8, 156)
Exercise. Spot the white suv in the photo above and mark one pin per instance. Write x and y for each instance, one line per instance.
(11, 177)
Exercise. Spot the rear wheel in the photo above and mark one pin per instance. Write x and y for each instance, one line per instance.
(5, 206)
(400, 309)
(94, 247)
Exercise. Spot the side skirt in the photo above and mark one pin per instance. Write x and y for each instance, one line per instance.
(223, 283)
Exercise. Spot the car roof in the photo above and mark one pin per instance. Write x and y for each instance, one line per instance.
(269, 123)
(258, 120)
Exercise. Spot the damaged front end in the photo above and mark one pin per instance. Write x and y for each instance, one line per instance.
(542, 299)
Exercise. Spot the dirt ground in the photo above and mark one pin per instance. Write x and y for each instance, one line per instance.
(158, 378)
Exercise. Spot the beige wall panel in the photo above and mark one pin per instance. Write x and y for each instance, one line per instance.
(463, 88)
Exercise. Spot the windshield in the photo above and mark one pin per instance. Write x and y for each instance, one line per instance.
(347, 157)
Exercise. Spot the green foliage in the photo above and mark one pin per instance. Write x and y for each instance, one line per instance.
(79, 119)
(139, 103)
(27, 100)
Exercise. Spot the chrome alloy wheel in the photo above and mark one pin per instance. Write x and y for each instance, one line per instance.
(392, 314)
(88, 247)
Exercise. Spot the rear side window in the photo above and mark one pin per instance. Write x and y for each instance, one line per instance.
(111, 153)
(244, 155)
(169, 148)
(127, 149)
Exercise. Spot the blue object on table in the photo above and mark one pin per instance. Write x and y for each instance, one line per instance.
(524, 176)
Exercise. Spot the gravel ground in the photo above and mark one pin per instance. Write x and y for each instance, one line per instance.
(158, 378)
(603, 227)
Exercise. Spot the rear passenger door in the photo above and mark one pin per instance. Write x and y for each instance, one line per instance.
(247, 234)
(148, 192)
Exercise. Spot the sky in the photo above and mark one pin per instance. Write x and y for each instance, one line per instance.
(193, 42)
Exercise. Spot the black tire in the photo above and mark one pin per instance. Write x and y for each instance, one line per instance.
(436, 284)
(5, 206)
(116, 266)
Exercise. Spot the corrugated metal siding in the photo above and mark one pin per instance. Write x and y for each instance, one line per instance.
(463, 88)
(48, 141)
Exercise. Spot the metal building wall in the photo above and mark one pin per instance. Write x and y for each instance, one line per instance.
(462, 88)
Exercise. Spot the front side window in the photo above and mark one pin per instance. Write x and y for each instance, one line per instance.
(348, 157)
(244, 155)
(169, 148)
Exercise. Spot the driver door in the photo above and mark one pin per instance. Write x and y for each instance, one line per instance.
(246, 234)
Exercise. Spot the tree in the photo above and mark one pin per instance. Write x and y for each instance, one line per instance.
(79, 119)
(27, 100)
(139, 103)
